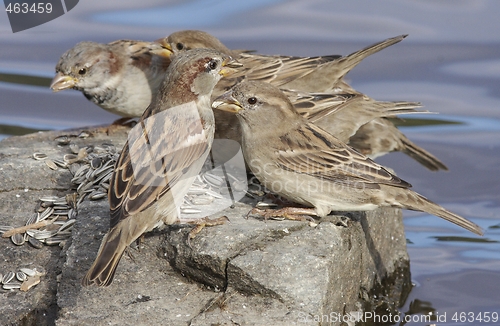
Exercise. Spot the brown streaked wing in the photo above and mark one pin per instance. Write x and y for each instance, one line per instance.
(155, 165)
(279, 70)
(330, 159)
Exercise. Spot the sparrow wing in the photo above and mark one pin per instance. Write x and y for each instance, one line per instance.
(160, 152)
(313, 151)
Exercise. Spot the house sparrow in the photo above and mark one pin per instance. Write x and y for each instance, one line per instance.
(315, 75)
(121, 77)
(307, 74)
(164, 153)
(305, 164)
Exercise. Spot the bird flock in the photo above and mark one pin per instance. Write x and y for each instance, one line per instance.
(305, 133)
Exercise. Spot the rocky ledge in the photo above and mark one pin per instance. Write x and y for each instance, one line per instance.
(246, 272)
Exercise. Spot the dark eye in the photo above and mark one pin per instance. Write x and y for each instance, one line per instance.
(179, 46)
(82, 71)
(213, 64)
(252, 100)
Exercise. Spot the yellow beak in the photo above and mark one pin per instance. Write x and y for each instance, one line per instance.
(226, 102)
(62, 82)
(165, 49)
(230, 66)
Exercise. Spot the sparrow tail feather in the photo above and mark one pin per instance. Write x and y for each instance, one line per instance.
(418, 202)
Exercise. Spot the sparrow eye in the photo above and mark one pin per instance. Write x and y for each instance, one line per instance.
(213, 64)
(82, 71)
(179, 46)
(252, 100)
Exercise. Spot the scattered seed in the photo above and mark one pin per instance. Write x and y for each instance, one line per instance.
(70, 158)
(17, 239)
(21, 277)
(11, 286)
(62, 140)
(35, 243)
(51, 164)
(39, 156)
(8, 277)
(46, 213)
(28, 271)
(74, 148)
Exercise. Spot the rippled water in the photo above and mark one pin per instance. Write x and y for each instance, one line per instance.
(450, 63)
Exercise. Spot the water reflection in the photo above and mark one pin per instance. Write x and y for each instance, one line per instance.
(25, 80)
(201, 13)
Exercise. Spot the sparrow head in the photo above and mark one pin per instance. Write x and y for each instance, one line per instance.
(196, 72)
(192, 39)
(256, 100)
(85, 66)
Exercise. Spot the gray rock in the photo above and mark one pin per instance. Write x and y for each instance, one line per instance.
(246, 272)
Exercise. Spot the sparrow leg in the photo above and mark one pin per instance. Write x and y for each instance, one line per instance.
(204, 222)
(289, 213)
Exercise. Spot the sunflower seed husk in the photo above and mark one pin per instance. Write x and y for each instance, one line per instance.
(84, 187)
(265, 204)
(202, 200)
(50, 199)
(5, 228)
(39, 156)
(46, 213)
(190, 211)
(17, 239)
(67, 225)
(72, 214)
(84, 134)
(197, 191)
(28, 271)
(96, 163)
(74, 148)
(8, 277)
(35, 243)
(213, 179)
(40, 235)
(11, 286)
(69, 158)
(21, 277)
(60, 163)
(82, 170)
(96, 195)
(32, 219)
(63, 140)
(51, 164)
(213, 194)
(55, 240)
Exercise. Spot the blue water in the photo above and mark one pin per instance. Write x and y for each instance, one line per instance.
(450, 63)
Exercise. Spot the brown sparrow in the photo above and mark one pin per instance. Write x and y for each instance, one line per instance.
(305, 164)
(315, 75)
(121, 77)
(164, 153)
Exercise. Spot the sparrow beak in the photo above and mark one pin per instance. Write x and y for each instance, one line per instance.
(229, 67)
(226, 102)
(62, 82)
(160, 48)
(166, 49)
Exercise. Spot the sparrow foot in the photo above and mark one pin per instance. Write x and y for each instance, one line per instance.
(289, 213)
(201, 223)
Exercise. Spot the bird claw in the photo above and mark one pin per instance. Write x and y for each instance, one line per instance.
(201, 223)
(289, 213)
